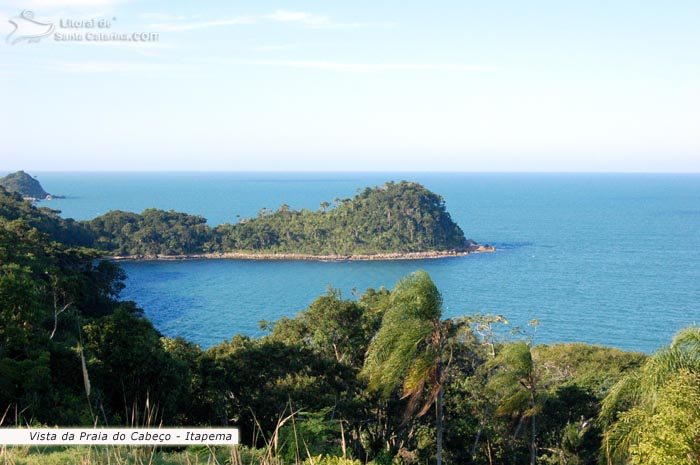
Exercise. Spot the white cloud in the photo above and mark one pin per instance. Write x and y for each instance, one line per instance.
(147, 49)
(161, 17)
(51, 5)
(123, 44)
(339, 66)
(386, 24)
(274, 48)
(299, 17)
(318, 21)
(189, 26)
(173, 23)
(53, 16)
(115, 67)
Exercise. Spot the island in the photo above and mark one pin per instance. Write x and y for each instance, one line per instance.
(395, 221)
(401, 220)
(73, 353)
(25, 185)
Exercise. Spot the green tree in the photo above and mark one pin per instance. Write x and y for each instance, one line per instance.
(516, 385)
(670, 435)
(130, 368)
(577, 377)
(333, 326)
(408, 348)
(393, 218)
(633, 400)
(260, 378)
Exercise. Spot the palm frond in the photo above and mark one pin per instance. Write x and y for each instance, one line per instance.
(422, 369)
(687, 339)
(623, 434)
(636, 395)
(624, 394)
(396, 354)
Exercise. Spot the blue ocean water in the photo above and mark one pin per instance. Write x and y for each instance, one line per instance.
(611, 259)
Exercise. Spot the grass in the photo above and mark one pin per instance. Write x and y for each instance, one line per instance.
(156, 455)
(142, 455)
(119, 455)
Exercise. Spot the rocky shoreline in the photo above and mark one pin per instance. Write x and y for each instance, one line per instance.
(308, 257)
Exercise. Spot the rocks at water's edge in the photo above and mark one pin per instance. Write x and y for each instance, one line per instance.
(472, 249)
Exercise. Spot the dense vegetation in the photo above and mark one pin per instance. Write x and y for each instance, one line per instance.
(153, 232)
(66, 231)
(23, 184)
(396, 217)
(360, 377)
(58, 303)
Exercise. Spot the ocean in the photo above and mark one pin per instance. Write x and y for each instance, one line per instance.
(610, 259)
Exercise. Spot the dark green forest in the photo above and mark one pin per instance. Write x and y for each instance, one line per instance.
(23, 184)
(380, 377)
(394, 218)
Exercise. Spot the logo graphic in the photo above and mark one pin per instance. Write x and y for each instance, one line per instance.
(27, 28)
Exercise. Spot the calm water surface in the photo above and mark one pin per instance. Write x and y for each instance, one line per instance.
(599, 258)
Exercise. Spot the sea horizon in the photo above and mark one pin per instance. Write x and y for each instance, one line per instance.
(615, 254)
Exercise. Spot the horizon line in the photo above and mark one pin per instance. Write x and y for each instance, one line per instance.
(302, 171)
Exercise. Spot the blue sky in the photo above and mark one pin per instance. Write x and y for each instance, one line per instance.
(384, 85)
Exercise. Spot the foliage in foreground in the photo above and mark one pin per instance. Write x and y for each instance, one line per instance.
(652, 415)
(123, 455)
(315, 384)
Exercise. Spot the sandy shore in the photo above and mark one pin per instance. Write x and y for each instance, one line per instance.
(297, 256)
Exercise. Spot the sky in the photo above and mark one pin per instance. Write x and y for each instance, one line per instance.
(499, 85)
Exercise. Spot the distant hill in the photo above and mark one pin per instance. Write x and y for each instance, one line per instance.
(392, 221)
(24, 184)
(394, 218)
(68, 231)
(402, 217)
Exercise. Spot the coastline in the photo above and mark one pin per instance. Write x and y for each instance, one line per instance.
(308, 257)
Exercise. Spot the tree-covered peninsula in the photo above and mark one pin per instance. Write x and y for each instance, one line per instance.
(396, 218)
(381, 378)
(25, 185)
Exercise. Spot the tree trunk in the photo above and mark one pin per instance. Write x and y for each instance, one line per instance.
(511, 442)
(533, 443)
(478, 434)
(438, 405)
(342, 441)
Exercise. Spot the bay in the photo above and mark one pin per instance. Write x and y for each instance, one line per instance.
(610, 259)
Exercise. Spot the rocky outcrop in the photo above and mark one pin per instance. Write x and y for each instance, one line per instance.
(25, 185)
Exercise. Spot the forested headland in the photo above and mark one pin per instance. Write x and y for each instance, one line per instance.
(25, 185)
(396, 220)
(380, 378)
(401, 217)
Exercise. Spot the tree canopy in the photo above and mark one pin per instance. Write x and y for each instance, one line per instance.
(343, 370)
(648, 401)
(23, 184)
(394, 218)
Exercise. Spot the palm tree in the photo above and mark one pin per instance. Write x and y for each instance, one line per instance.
(408, 348)
(517, 383)
(633, 399)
